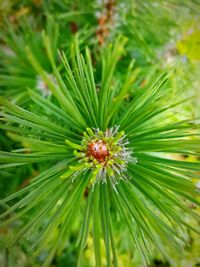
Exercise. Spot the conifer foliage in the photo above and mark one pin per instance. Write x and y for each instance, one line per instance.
(105, 159)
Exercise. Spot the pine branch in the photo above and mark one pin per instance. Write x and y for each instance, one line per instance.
(120, 157)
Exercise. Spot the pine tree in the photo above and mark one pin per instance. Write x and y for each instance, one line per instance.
(105, 149)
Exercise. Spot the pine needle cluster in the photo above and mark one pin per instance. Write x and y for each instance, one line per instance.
(108, 156)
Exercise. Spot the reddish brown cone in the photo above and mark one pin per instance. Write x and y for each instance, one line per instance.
(98, 150)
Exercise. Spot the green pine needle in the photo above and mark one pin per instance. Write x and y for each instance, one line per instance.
(136, 179)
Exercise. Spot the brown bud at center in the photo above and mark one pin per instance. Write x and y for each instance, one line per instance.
(98, 150)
